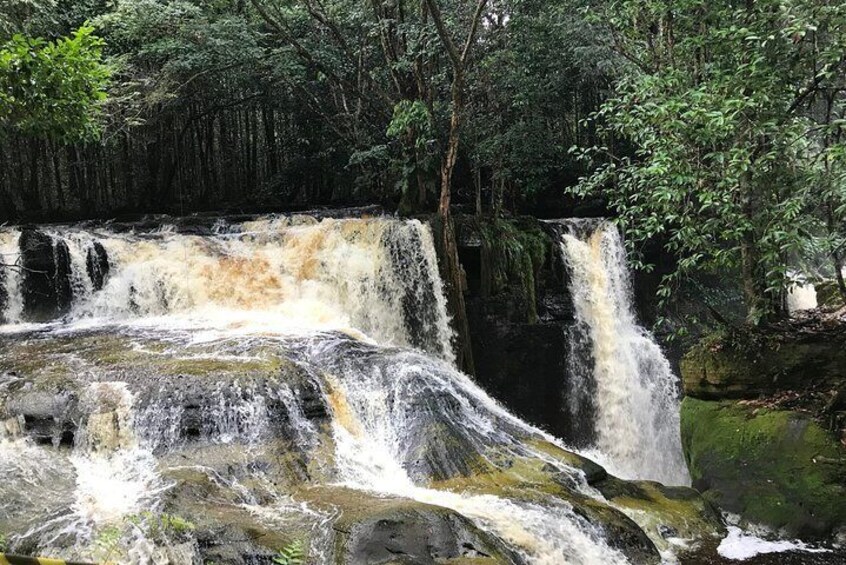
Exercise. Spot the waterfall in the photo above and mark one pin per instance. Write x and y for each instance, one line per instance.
(391, 409)
(622, 376)
(242, 372)
(11, 299)
(375, 276)
(801, 294)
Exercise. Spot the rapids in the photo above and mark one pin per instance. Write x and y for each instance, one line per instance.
(287, 375)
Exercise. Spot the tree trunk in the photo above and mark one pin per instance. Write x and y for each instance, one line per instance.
(761, 306)
(451, 269)
(838, 273)
(453, 275)
(452, 144)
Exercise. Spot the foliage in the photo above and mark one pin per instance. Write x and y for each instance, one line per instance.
(541, 71)
(162, 526)
(107, 543)
(411, 126)
(336, 101)
(292, 554)
(720, 102)
(52, 89)
(4, 543)
(411, 119)
(514, 252)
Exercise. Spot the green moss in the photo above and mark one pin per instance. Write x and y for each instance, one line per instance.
(773, 467)
(654, 507)
(54, 362)
(828, 295)
(513, 253)
(747, 363)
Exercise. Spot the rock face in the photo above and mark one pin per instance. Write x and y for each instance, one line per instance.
(778, 457)
(773, 467)
(717, 368)
(382, 531)
(240, 451)
(46, 269)
(520, 316)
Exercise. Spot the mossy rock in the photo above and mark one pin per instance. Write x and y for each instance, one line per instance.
(533, 480)
(776, 468)
(383, 530)
(664, 512)
(753, 364)
(828, 295)
(512, 253)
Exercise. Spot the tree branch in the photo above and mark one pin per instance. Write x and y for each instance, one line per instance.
(474, 27)
(452, 49)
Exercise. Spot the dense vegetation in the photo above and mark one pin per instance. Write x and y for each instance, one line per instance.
(279, 103)
(713, 128)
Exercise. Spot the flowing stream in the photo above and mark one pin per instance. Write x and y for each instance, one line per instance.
(285, 357)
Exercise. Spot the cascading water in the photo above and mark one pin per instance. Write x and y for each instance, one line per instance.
(11, 299)
(281, 375)
(624, 380)
(297, 274)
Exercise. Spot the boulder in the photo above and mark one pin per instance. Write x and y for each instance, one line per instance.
(753, 364)
(97, 264)
(777, 468)
(395, 530)
(46, 282)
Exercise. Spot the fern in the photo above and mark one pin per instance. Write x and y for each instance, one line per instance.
(292, 554)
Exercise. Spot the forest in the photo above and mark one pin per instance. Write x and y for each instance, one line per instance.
(714, 128)
(517, 282)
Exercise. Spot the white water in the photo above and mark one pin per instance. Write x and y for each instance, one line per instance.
(273, 276)
(739, 545)
(626, 375)
(374, 426)
(108, 476)
(397, 402)
(801, 295)
(11, 277)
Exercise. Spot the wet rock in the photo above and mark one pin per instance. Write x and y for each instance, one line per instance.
(749, 365)
(48, 417)
(395, 530)
(416, 535)
(520, 315)
(535, 481)
(46, 286)
(777, 468)
(97, 265)
(662, 511)
(3, 294)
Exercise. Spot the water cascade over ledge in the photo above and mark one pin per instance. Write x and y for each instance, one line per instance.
(624, 384)
(225, 394)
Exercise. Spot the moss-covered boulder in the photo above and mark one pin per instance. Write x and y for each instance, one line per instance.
(383, 530)
(777, 468)
(664, 512)
(637, 517)
(751, 364)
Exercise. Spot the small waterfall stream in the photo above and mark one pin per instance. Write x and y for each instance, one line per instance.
(624, 378)
(242, 373)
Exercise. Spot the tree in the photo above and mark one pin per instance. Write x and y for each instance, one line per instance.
(539, 71)
(721, 102)
(52, 89)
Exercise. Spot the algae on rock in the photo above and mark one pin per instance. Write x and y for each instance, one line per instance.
(776, 468)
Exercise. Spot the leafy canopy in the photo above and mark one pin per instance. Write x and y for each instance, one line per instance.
(722, 103)
(52, 89)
